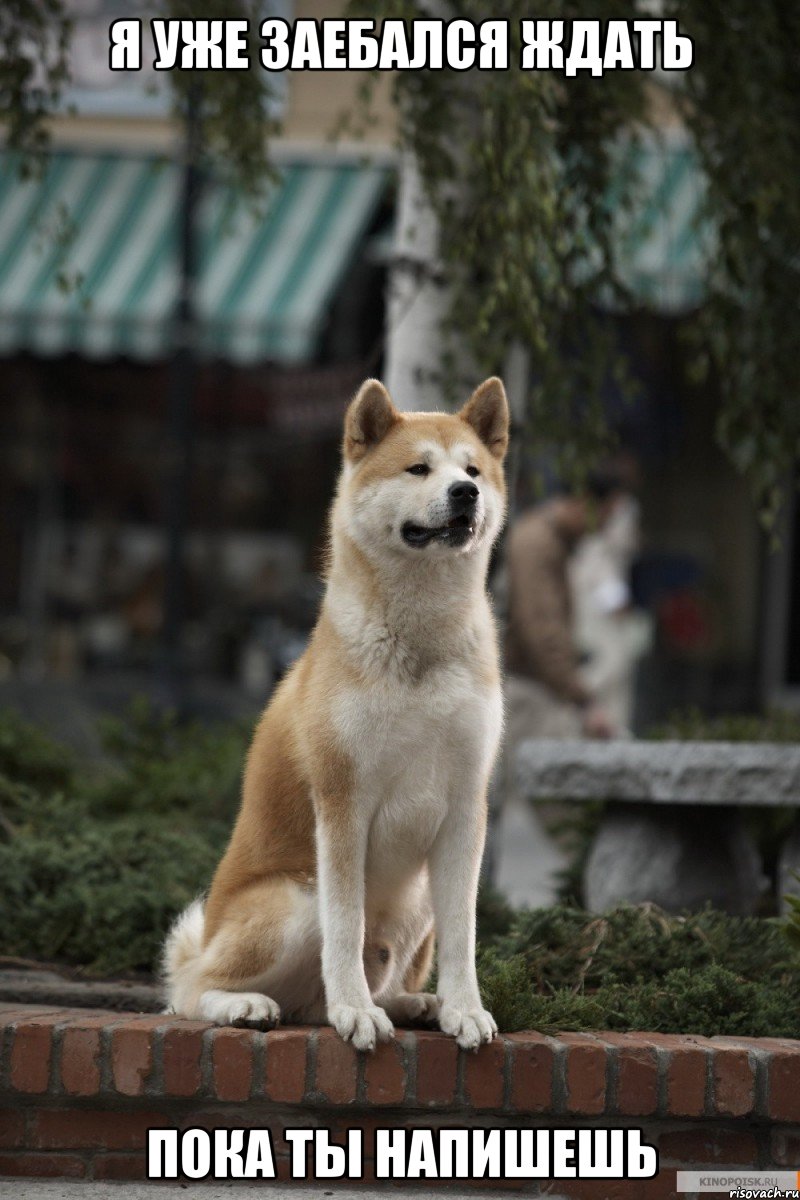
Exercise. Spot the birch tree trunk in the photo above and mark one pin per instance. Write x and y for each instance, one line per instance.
(417, 300)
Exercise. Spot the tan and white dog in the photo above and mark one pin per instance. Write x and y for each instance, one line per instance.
(363, 814)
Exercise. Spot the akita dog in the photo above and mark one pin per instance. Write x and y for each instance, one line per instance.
(363, 814)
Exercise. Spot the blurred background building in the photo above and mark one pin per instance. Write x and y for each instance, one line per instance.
(288, 308)
(289, 314)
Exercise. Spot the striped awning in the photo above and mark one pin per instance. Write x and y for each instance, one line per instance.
(663, 245)
(89, 254)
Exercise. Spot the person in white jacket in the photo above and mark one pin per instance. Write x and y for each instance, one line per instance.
(611, 635)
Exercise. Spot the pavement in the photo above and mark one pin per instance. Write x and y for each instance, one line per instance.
(24, 982)
(527, 859)
(78, 1189)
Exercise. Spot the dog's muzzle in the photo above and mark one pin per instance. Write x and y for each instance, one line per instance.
(462, 498)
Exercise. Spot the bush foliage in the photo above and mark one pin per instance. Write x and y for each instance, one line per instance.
(637, 968)
(96, 859)
(691, 725)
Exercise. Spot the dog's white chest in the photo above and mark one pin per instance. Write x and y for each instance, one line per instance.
(392, 731)
(415, 750)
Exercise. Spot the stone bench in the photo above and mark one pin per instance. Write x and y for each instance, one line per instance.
(672, 832)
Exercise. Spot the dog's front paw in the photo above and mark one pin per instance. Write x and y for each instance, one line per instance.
(469, 1026)
(361, 1026)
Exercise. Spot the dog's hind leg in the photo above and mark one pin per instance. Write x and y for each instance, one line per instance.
(251, 1009)
(419, 968)
(410, 1003)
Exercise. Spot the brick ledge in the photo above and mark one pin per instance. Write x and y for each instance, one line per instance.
(79, 1087)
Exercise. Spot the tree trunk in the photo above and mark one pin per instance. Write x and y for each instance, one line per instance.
(417, 299)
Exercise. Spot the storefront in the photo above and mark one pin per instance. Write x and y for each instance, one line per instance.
(288, 314)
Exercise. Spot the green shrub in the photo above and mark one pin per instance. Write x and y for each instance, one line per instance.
(160, 765)
(30, 756)
(692, 725)
(567, 947)
(792, 923)
(710, 1002)
(637, 968)
(95, 863)
(101, 894)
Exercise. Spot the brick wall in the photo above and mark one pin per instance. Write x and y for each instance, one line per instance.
(79, 1089)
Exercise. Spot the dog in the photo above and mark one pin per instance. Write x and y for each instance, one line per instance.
(363, 812)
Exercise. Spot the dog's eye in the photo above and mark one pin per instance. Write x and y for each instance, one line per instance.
(472, 471)
(419, 469)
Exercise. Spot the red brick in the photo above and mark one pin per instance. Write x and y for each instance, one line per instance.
(585, 1074)
(89, 1018)
(663, 1187)
(131, 1059)
(532, 1073)
(11, 1013)
(285, 1079)
(786, 1147)
(385, 1073)
(81, 1050)
(437, 1062)
(771, 1044)
(637, 1073)
(120, 1166)
(31, 1054)
(80, 1061)
(83, 1017)
(784, 1085)
(710, 1147)
(734, 1083)
(248, 1116)
(687, 1061)
(232, 1063)
(723, 1042)
(50, 1166)
(340, 1123)
(12, 1128)
(78, 1129)
(337, 1066)
(483, 1075)
(182, 1048)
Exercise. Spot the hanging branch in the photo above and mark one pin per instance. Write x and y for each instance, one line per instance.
(519, 168)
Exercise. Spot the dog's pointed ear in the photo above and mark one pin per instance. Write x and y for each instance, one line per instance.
(487, 412)
(369, 418)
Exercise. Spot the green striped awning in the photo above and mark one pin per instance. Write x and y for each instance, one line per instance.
(88, 257)
(663, 246)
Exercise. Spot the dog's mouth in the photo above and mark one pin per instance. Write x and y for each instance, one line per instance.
(456, 532)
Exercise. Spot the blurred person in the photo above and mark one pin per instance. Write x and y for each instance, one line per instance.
(547, 695)
(611, 634)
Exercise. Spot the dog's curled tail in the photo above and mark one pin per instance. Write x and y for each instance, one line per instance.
(182, 950)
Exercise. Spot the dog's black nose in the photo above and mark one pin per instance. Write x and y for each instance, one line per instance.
(462, 494)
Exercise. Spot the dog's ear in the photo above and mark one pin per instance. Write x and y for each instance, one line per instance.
(487, 412)
(369, 418)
